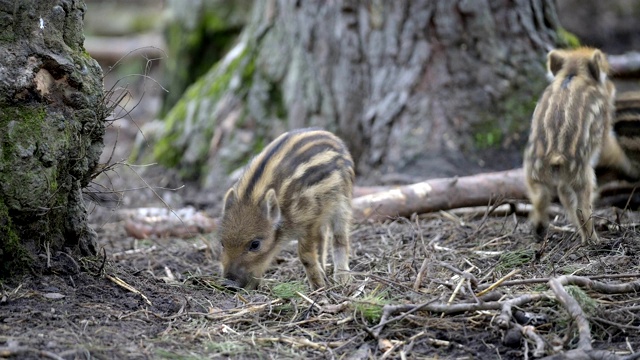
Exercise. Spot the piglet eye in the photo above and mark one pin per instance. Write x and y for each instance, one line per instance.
(255, 245)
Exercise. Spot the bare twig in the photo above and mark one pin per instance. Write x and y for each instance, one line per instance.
(11, 351)
(546, 280)
(588, 283)
(300, 342)
(500, 281)
(116, 280)
(530, 332)
(504, 319)
(432, 306)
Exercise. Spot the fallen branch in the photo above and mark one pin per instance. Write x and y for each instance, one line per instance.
(18, 351)
(579, 354)
(449, 309)
(598, 286)
(505, 320)
(359, 191)
(441, 194)
(111, 49)
(584, 349)
(546, 280)
(469, 194)
(144, 223)
(625, 65)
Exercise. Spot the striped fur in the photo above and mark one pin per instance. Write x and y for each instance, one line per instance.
(570, 124)
(298, 187)
(623, 152)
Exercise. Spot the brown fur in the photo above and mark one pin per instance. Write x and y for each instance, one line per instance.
(622, 152)
(570, 126)
(298, 187)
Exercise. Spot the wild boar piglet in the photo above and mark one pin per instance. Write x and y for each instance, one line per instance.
(571, 123)
(299, 187)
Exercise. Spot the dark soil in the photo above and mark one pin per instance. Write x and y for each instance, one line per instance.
(78, 311)
(159, 298)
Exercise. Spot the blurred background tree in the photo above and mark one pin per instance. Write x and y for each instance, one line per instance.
(198, 33)
(418, 89)
(608, 25)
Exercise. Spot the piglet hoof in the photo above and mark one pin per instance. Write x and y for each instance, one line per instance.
(231, 285)
(593, 240)
(342, 277)
(540, 231)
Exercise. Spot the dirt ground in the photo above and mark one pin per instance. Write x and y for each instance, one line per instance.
(414, 294)
(415, 291)
(160, 298)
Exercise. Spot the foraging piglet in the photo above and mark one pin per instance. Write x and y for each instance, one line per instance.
(298, 187)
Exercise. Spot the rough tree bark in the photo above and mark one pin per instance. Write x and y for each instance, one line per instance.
(197, 35)
(51, 128)
(414, 87)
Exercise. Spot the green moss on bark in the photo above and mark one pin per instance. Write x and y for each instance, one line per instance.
(186, 135)
(198, 35)
(516, 110)
(567, 39)
(13, 256)
(24, 141)
(28, 125)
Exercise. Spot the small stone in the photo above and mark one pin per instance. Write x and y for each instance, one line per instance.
(512, 338)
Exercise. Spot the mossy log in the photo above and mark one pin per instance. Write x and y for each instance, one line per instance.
(414, 87)
(51, 128)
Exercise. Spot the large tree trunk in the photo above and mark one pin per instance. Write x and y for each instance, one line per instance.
(414, 87)
(51, 128)
(609, 25)
(197, 34)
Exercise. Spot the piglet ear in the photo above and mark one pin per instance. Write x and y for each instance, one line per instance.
(229, 200)
(555, 60)
(596, 66)
(271, 209)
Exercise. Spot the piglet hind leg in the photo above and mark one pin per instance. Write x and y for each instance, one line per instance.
(540, 199)
(308, 248)
(577, 203)
(585, 215)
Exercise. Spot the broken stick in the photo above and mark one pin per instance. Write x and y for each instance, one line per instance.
(441, 194)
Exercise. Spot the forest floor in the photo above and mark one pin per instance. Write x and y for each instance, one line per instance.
(415, 289)
(414, 294)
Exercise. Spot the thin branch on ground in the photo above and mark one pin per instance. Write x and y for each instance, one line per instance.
(546, 280)
(11, 351)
